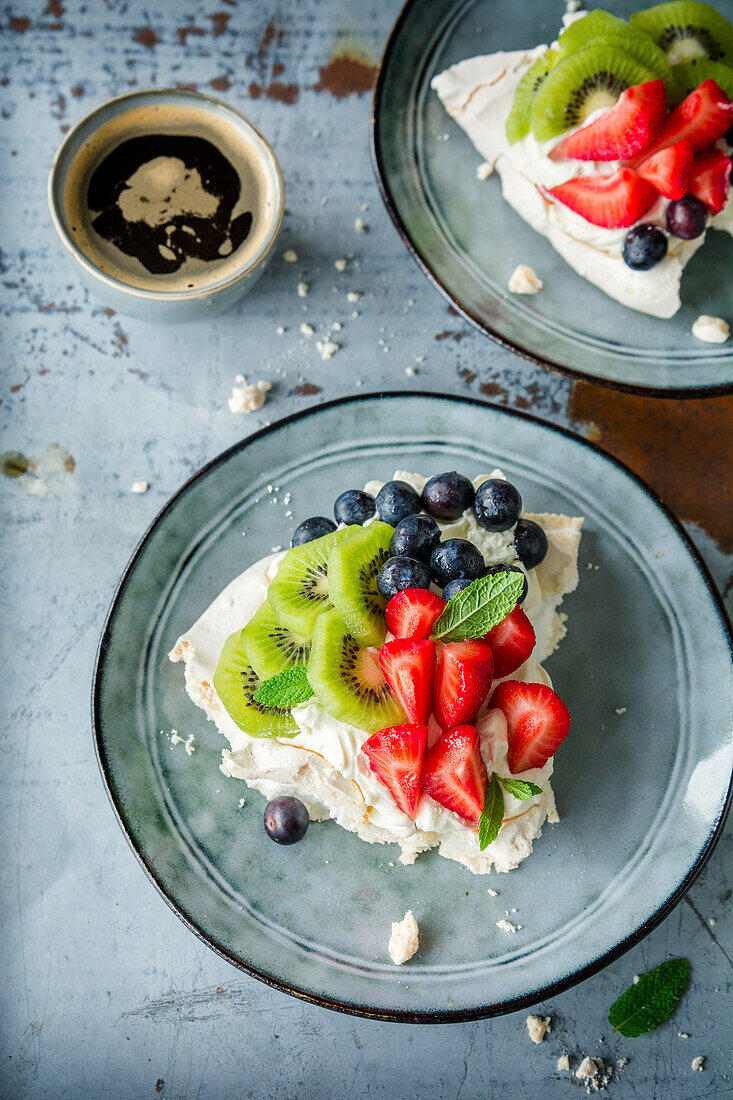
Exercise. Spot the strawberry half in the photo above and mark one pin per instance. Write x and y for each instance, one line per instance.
(409, 669)
(710, 179)
(701, 119)
(622, 131)
(413, 613)
(537, 722)
(454, 773)
(462, 681)
(512, 641)
(669, 170)
(395, 755)
(613, 201)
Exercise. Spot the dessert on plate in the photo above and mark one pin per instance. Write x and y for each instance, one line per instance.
(386, 671)
(614, 142)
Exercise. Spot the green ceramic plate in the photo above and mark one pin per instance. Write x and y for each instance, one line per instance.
(641, 794)
(468, 240)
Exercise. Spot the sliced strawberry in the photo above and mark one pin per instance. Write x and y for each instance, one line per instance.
(395, 755)
(413, 613)
(512, 641)
(710, 179)
(537, 722)
(623, 130)
(669, 170)
(701, 119)
(454, 773)
(611, 201)
(409, 669)
(462, 681)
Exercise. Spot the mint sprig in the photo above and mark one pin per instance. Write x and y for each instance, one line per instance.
(651, 1000)
(519, 788)
(492, 814)
(479, 607)
(287, 689)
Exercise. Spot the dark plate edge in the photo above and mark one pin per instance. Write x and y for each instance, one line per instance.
(370, 1012)
(393, 211)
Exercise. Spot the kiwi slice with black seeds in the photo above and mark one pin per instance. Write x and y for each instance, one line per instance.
(270, 647)
(236, 682)
(686, 30)
(352, 581)
(598, 28)
(690, 75)
(298, 594)
(517, 124)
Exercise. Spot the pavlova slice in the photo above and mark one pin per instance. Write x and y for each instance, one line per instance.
(347, 686)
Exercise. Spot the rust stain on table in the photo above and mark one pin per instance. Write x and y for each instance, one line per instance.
(346, 74)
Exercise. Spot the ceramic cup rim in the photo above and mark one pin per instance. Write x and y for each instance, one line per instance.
(118, 104)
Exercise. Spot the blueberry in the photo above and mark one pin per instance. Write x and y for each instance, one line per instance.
(446, 496)
(687, 217)
(530, 542)
(512, 569)
(395, 500)
(456, 558)
(354, 506)
(498, 505)
(286, 820)
(645, 246)
(400, 573)
(455, 586)
(416, 536)
(314, 528)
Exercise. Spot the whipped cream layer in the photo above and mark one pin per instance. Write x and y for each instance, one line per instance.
(478, 93)
(323, 764)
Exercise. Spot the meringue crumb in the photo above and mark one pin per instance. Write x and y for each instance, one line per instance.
(711, 922)
(573, 5)
(307, 329)
(327, 348)
(139, 487)
(525, 281)
(698, 1063)
(337, 326)
(404, 941)
(587, 1070)
(353, 296)
(538, 1026)
(240, 803)
(492, 893)
(247, 398)
(290, 256)
(410, 372)
(280, 330)
(360, 225)
(711, 330)
(303, 289)
(682, 1035)
(484, 170)
(340, 265)
(507, 926)
(188, 742)
(563, 1062)
(620, 710)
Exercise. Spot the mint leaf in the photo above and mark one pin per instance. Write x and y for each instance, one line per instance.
(492, 814)
(287, 689)
(519, 788)
(650, 1001)
(478, 608)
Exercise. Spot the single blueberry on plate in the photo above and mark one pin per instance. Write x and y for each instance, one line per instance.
(498, 505)
(456, 558)
(455, 586)
(446, 496)
(314, 528)
(395, 500)
(286, 820)
(400, 573)
(645, 246)
(530, 542)
(512, 569)
(354, 506)
(687, 217)
(416, 536)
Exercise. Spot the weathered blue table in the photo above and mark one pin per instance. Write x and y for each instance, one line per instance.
(104, 992)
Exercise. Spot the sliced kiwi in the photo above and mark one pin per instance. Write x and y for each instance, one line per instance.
(517, 124)
(352, 581)
(690, 75)
(582, 83)
(236, 682)
(686, 29)
(299, 592)
(270, 647)
(598, 28)
(581, 32)
(347, 679)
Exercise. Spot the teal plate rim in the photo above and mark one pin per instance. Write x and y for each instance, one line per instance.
(392, 206)
(372, 1012)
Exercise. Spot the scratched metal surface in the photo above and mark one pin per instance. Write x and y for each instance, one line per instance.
(104, 992)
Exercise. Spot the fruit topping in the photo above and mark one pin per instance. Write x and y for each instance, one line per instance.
(512, 569)
(314, 528)
(462, 681)
(299, 592)
(455, 586)
(669, 169)
(623, 130)
(236, 682)
(599, 27)
(270, 647)
(456, 558)
(409, 669)
(286, 820)
(395, 755)
(537, 722)
(517, 124)
(412, 613)
(498, 505)
(454, 773)
(512, 641)
(395, 500)
(701, 118)
(416, 536)
(710, 179)
(645, 246)
(347, 680)
(354, 506)
(687, 218)
(402, 572)
(447, 496)
(612, 202)
(530, 542)
(689, 75)
(353, 567)
(686, 29)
